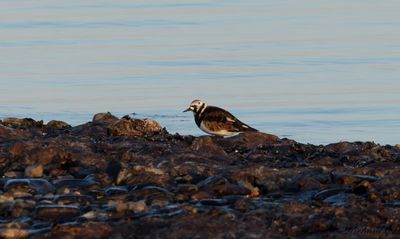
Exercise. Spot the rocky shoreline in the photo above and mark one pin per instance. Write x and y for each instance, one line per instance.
(129, 178)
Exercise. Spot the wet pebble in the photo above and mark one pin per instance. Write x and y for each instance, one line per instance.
(40, 186)
(187, 188)
(107, 117)
(34, 171)
(136, 207)
(57, 124)
(214, 202)
(321, 195)
(73, 199)
(134, 127)
(149, 193)
(13, 233)
(74, 184)
(348, 179)
(56, 212)
(339, 200)
(115, 190)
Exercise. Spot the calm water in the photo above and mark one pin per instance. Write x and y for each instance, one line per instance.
(315, 71)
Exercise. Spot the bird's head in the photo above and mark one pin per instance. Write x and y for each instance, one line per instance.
(196, 106)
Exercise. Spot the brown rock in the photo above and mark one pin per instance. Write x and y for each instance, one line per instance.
(89, 230)
(22, 123)
(134, 127)
(56, 124)
(205, 145)
(34, 171)
(107, 117)
(8, 133)
(13, 233)
(253, 139)
(136, 207)
(200, 195)
(342, 147)
(46, 155)
(309, 183)
(56, 212)
(304, 190)
(17, 149)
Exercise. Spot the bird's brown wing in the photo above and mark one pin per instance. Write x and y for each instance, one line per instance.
(219, 119)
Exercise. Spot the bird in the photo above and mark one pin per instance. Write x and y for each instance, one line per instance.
(216, 121)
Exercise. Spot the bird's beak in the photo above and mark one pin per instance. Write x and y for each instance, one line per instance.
(188, 109)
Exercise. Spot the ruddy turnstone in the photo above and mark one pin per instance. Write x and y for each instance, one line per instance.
(216, 121)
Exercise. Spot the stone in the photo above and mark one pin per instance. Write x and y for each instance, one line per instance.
(128, 178)
(74, 183)
(56, 212)
(323, 194)
(22, 123)
(34, 171)
(214, 202)
(254, 139)
(134, 127)
(90, 230)
(13, 233)
(73, 199)
(57, 124)
(205, 145)
(105, 117)
(39, 185)
(309, 183)
(136, 207)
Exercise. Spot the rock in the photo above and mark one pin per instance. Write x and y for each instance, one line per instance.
(113, 169)
(134, 127)
(328, 192)
(74, 183)
(40, 186)
(56, 124)
(309, 184)
(200, 195)
(115, 190)
(56, 212)
(34, 171)
(339, 200)
(104, 117)
(150, 193)
(128, 178)
(142, 174)
(13, 233)
(7, 133)
(254, 139)
(17, 149)
(13, 174)
(89, 230)
(214, 202)
(73, 199)
(220, 186)
(22, 123)
(187, 188)
(6, 198)
(348, 179)
(205, 145)
(136, 207)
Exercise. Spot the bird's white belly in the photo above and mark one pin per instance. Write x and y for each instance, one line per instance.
(219, 132)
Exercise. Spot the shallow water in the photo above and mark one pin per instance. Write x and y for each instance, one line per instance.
(316, 72)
